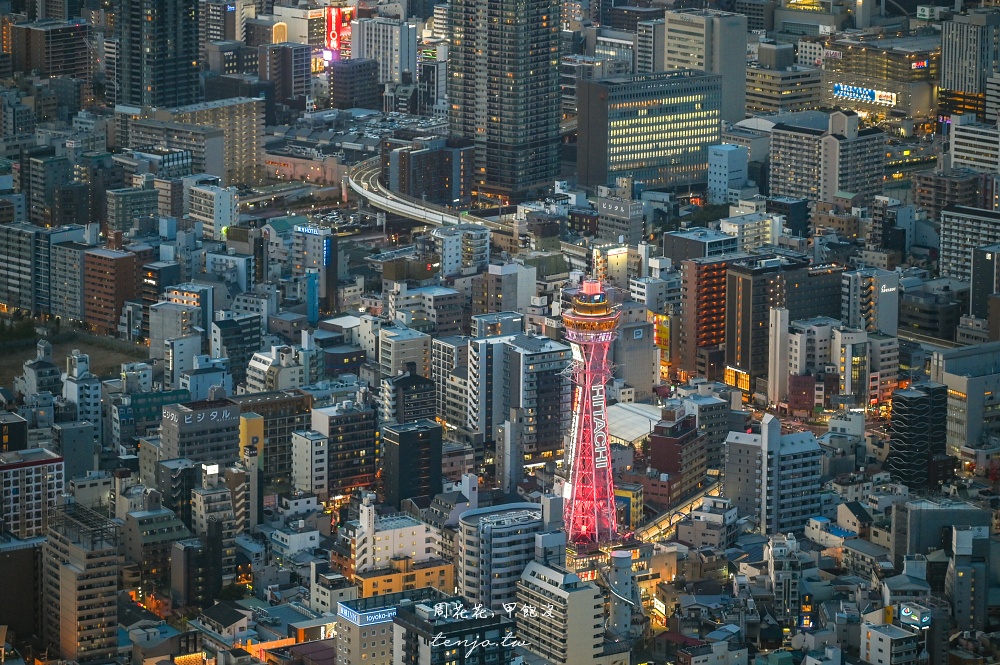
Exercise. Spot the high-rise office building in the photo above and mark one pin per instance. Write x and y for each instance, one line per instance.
(970, 53)
(288, 67)
(503, 90)
(411, 465)
(774, 478)
(917, 433)
(711, 41)
(80, 567)
(666, 146)
(158, 63)
(354, 84)
(752, 287)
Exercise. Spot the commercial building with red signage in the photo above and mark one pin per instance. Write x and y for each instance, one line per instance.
(905, 70)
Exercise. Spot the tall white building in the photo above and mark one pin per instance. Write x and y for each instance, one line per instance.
(752, 230)
(963, 230)
(462, 248)
(377, 540)
(81, 561)
(217, 208)
(309, 462)
(727, 169)
(889, 644)
(651, 47)
(496, 544)
(974, 145)
(774, 478)
(715, 42)
(83, 388)
(574, 633)
(277, 369)
(970, 51)
(777, 355)
(391, 42)
(869, 300)
(810, 164)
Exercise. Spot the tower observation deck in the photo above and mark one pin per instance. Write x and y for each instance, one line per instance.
(591, 325)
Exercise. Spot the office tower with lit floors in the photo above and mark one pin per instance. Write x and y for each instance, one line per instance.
(655, 127)
(503, 92)
(591, 327)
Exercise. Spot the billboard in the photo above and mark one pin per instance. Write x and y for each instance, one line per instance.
(919, 64)
(338, 28)
(860, 94)
(911, 614)
(618, 208)
(384, 615)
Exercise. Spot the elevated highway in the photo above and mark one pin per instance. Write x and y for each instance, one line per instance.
(363, 180)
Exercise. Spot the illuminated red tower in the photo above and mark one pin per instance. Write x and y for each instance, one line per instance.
(591, 326)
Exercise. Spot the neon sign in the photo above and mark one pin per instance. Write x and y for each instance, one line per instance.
(338, 28)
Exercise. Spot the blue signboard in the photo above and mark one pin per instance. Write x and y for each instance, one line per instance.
(384, 615)
(854, 92)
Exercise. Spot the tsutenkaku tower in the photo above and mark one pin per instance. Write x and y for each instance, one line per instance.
(591, 326)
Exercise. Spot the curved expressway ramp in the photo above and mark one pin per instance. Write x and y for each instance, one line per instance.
(363, 179)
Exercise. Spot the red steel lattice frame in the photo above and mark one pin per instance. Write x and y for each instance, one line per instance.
(591, 327)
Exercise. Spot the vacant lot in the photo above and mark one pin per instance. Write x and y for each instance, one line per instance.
(105, 356)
